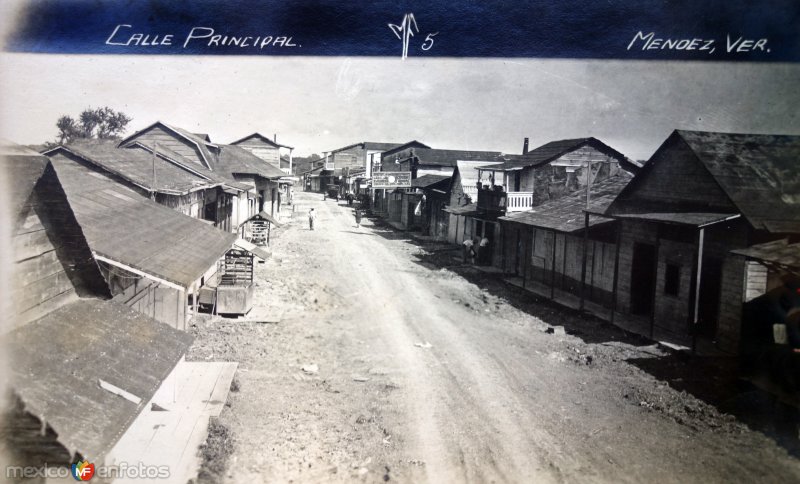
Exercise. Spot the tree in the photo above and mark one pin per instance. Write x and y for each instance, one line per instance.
(100, 123)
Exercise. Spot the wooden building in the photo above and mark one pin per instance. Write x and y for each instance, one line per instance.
(268, 150)
(463, 197)
(435, 197)
(548, 172)
(167, 178)
(151, 256)
(556, 252)
(81, 367)
(428, 161)
(231, 162)
(701, 203)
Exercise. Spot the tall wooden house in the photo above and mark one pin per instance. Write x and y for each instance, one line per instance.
(165, 177)
(358, 157)
(548, 172)
(268, 150)
(696, 226)
(428, 161)
(151, 256)
(81, 367)
(463, 197)
(229, 161)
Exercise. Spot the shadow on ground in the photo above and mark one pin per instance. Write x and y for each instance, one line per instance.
(714, 380)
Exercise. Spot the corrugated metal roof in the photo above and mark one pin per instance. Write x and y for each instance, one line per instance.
(759, 173)
(555, 149)
(463, 209)
(57, 362)
(136, 166)
(125, 227)
(779, 252)
(429, 156)
(566, 214)
(235, 159)
(427, 180)
(201, 144)
(693, 219)
(263, 138)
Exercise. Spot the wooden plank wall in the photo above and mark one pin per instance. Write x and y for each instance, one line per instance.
(173, 142)
(569, 263)
(263, 150)
(677, 177)
(45, 274)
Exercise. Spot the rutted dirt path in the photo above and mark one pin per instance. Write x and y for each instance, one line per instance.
(371, 366)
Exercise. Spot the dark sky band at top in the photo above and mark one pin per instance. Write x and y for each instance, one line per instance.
(733, 30)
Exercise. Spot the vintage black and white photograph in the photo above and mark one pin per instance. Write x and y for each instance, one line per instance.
(257, 265)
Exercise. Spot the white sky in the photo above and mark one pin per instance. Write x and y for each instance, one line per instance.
(318, 104)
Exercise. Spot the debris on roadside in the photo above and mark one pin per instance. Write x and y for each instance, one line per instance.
(425, 345)
(311, 369)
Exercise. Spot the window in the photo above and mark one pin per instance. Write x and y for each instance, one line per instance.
(672, 280)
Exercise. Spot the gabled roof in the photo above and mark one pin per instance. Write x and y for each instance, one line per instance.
(127, 228)
(553, 150)
(21, 168)
(759, 173)
(203, 144)
(262, 138)
(566, 214)
(59, 361)
(181, 161)
(368, 145)
(430, 156)
(237, 160)
(410, 144)
(136, 166)
(426, 181)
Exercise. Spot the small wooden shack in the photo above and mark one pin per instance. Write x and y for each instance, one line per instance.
(235, 290)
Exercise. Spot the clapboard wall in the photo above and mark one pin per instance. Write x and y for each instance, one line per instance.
(53, 265)
(169, 140)
(262, 149)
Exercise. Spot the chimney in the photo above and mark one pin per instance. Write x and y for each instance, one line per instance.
(275, 138)
(525, 146)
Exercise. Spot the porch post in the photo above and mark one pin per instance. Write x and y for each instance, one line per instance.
(583, 265)
(698, 279)
(655, 283)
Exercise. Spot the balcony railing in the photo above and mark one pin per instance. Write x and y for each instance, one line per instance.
(498, 201)
(519, 201)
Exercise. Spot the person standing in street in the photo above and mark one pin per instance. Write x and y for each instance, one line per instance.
(469, 251)
(358, 217)
(483, 251)
(312, 215)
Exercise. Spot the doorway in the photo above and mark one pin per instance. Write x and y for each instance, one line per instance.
(643, 278)
(708, 305)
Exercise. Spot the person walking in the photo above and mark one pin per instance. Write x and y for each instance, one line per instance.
(312, 215)
(358, 217)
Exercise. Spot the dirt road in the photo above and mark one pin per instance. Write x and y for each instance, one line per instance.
(370, 365)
